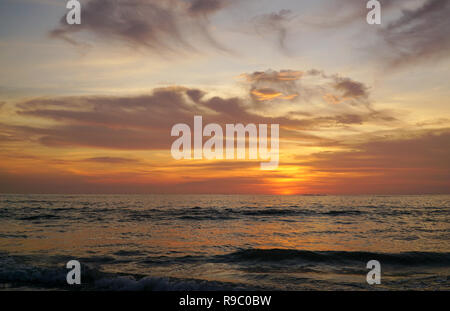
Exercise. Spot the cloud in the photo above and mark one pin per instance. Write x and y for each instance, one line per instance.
(108, 183)
(110, 160)
(419, 34)
(406, 162)
(273, 76)
(350, 88)
(309, 91)
(143, 122)
(410, 31)
(400, 163)
(392, 160)
(275, 23)
(163, 26)
(206, 7)
(273, 85)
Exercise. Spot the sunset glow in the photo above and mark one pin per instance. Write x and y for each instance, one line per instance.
(82, 118)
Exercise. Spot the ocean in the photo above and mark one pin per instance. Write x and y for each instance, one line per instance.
(224, 242)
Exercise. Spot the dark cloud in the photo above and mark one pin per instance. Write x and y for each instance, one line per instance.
(406, 162)
(206, 7)
(350, 88)
(160, 25)
(420, 34)
(97, 136)
(144, 122)
(274, 76)
(346, 119)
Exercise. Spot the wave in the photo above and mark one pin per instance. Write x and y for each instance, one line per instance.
(94, 212)
(40, 217)
(333, 257)
(229, 213)
(93, 279)
(345, 212)
(292, 256)
(257, 264)
(47, 211)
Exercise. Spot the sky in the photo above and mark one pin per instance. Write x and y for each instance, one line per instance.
(362, 109)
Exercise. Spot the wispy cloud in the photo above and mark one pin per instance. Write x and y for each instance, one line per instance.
(420, 34)
(274, 24)
(162, 26)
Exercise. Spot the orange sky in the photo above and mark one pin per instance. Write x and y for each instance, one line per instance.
(90, 110)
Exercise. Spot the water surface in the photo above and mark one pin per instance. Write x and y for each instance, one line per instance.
(213, 242)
